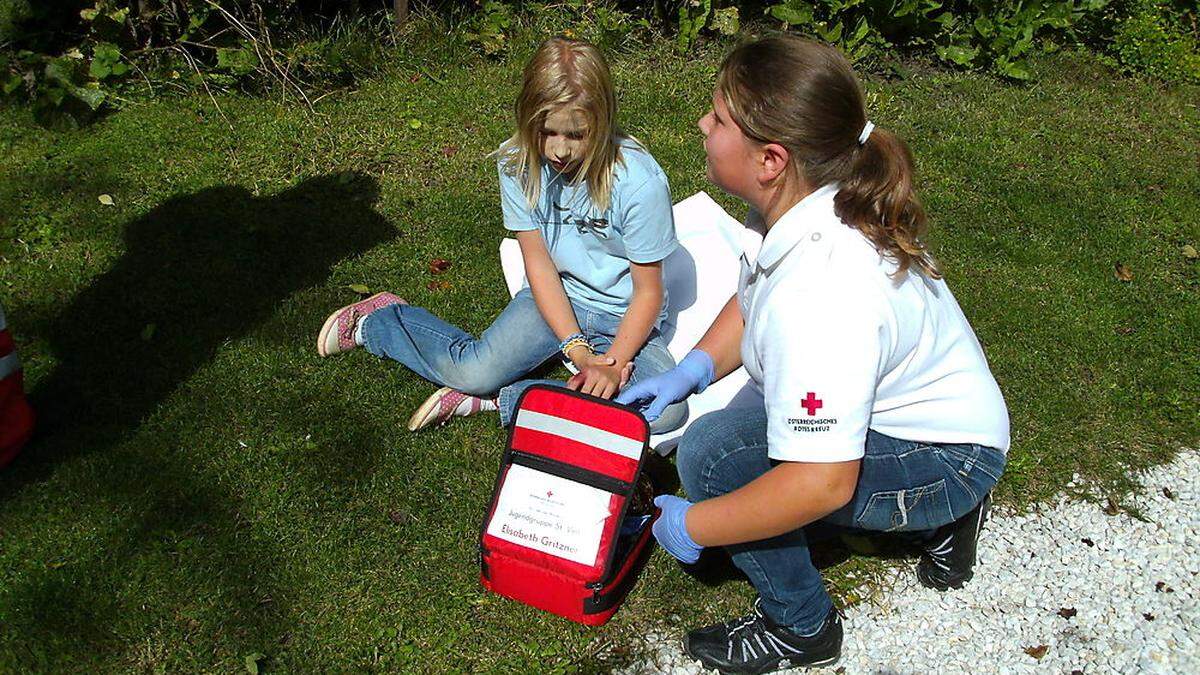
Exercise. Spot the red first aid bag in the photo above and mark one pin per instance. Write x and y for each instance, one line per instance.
(558, 534)
(16, 417)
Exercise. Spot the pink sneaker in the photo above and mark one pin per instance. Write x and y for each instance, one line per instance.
(337, 335)
(446, 403)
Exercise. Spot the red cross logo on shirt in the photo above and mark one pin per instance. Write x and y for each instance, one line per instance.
(812, 403)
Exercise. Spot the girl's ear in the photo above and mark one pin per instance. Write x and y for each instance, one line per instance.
(773, 162)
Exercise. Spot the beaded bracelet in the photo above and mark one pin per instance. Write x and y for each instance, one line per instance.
(573, 341)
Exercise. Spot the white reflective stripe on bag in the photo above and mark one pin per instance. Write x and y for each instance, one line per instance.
(9, 365)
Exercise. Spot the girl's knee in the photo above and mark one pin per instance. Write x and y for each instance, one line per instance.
(473, 380)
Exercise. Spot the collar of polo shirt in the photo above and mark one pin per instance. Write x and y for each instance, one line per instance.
(793, 226)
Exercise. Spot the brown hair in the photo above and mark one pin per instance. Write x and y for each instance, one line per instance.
(570, 73)
(804, 96)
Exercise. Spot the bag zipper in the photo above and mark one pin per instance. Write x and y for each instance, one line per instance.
(570, 472)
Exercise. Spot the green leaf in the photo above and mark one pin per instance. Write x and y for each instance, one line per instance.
(89, 14)
(793, 13)
(984, 26)
(60, 70)
(252, 661)
(963, 56)
(414, 123)
(830, 34)
(105, 199)
(91, 97)
(1018, 70)
(361, 289)
(99, 69)
(12, 84)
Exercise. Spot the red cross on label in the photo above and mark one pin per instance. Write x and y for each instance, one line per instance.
(812, 403)
(549, 494)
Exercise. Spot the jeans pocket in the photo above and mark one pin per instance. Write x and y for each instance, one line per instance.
(910, 509)
(975, 469)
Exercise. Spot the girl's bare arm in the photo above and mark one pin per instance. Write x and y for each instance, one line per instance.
(546, 285)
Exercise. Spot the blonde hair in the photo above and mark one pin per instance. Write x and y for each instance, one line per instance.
(566, 73)
(804, 96)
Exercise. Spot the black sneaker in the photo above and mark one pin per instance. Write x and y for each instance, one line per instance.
(756, 644)
(949, 556)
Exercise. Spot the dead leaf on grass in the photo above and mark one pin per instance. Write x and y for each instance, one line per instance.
(1122, 272)
(439, 265)
(438, 285)
(1124, 330)
(450, 151)
(1111, 508)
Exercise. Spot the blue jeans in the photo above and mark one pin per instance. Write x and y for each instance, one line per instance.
(518, 341)
(902, 486)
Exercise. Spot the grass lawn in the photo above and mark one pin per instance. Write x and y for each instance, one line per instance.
(205, 488)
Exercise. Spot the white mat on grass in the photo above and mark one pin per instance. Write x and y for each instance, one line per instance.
(700, 277)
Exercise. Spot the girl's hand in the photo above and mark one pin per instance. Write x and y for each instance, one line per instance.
(600, 379)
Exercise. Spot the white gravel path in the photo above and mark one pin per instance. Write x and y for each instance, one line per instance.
(1064, 589)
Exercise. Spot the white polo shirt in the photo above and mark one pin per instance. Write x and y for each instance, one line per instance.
(836, 346)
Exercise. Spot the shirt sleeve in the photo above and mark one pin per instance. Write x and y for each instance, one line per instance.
(821, 358)
(517, 215)
(648, 222)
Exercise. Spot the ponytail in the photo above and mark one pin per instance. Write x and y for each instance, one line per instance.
(804, 96)
(877, 199)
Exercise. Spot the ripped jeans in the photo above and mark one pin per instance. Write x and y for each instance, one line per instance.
(903, 486)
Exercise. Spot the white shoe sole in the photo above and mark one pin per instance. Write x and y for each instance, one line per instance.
(421, 418)
(331, 324)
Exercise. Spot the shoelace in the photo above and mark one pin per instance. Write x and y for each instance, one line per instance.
(747, 621)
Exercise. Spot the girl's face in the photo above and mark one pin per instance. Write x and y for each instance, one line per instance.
(564, 139)
(730, 156)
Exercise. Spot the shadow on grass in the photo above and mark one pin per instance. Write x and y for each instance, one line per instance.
(199, 271)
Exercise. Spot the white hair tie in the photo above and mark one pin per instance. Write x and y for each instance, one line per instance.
(866, 132)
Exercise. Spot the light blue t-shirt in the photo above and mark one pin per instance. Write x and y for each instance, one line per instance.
(592, 249)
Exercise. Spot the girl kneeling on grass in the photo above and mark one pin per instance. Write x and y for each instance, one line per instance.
(592, 214)
(880, 411)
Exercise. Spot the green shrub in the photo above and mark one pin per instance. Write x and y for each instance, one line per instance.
(1153, 37)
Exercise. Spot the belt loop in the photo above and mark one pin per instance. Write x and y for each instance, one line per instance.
(969, 462)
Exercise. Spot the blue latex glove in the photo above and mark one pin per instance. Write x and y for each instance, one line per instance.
(671, 531)
(653, 395)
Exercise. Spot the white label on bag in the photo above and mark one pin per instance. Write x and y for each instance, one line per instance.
(550, 514)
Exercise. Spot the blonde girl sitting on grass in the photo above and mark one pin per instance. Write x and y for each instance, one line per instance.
(591, 211)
